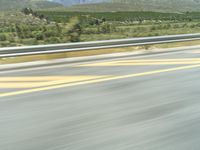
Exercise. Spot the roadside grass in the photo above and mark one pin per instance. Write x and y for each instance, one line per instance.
(94, 52)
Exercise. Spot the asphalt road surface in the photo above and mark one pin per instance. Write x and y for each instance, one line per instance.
(131, 103)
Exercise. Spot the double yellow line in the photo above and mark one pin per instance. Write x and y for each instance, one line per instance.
(97, 80)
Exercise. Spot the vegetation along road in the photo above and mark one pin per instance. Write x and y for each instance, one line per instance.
(33, 27)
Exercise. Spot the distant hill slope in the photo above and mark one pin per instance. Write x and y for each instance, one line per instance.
(18, 4)
(141, 5)
(173, 4)
(77, 2)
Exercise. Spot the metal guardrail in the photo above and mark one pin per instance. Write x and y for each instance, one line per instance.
(82, 46)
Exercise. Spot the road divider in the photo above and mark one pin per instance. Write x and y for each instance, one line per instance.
(85, 46)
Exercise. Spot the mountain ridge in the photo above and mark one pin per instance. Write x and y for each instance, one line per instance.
(77, 2)
(141, 5)
(105, 5)
(18, 4)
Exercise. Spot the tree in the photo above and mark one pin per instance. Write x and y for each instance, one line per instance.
(39, 36)
(103, 19)
(3, 37)
(105, 28)
(27, 11)
(58, 28)
(19, 31)
(73, 29)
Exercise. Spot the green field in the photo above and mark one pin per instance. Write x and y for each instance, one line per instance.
(47, 27)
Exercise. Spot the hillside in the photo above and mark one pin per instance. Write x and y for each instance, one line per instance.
(18, 4)
(180, 5)
(141, 5)
(76, 2)
(105, 5)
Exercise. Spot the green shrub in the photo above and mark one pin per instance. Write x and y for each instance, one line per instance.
(3, 37)
(39, 36)
(53, 40)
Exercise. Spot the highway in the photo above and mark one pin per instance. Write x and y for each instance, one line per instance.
(147, 102)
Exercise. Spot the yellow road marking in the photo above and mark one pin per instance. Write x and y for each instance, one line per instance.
(31, 78)
(97, 80)
(7, 82)
(140, 64)
(194, 52)
(19, 85)
(46, 78)
(166, 59)
(144, 62)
